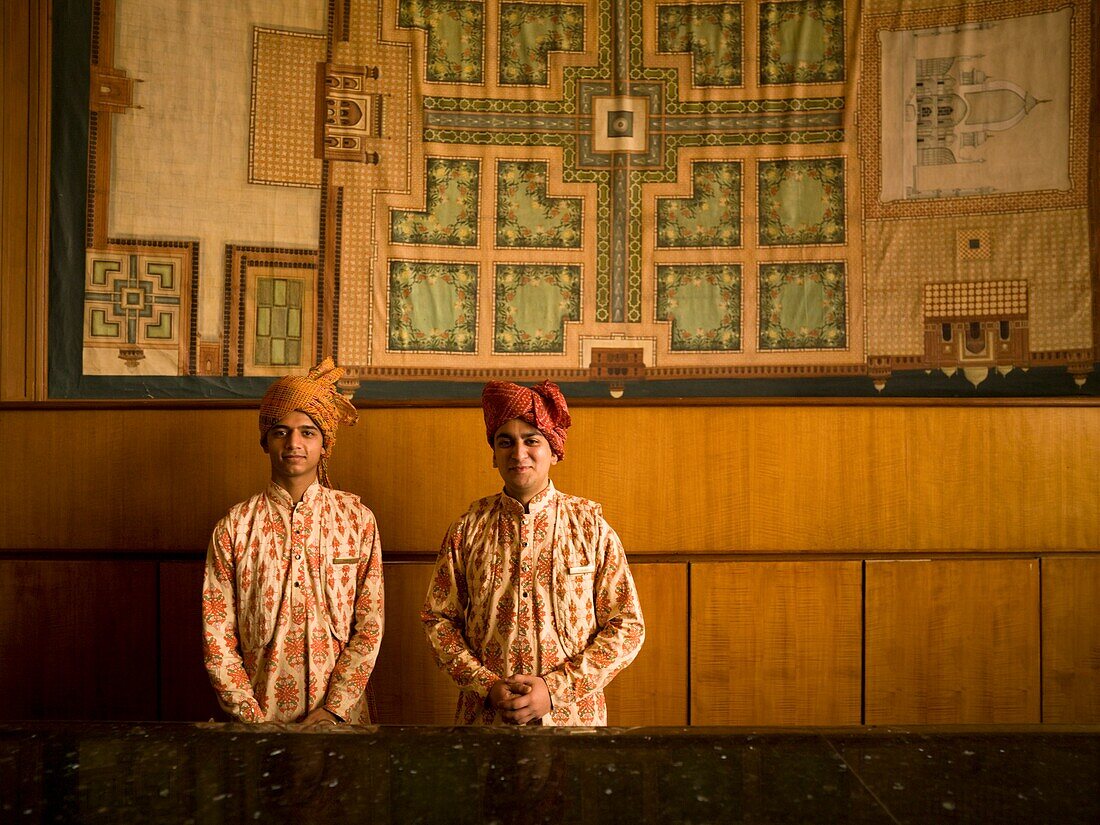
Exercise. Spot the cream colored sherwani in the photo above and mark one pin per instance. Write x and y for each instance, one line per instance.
(292, 606)
(546, 593)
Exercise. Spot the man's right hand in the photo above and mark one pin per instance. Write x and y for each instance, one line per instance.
(504, 691)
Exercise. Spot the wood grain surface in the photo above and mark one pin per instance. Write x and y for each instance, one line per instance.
(952, 642)
(775, 643)
(1071, 640)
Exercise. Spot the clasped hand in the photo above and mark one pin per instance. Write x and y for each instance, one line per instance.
(520, 698)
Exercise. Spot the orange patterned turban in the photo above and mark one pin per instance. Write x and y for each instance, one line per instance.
(542, 406)
(316, 396)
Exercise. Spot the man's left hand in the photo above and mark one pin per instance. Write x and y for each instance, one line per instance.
(533, 703)
(320, 716)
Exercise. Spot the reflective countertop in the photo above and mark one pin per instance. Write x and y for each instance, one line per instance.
(73, 772)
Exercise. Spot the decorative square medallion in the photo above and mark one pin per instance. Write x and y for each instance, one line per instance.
(972, 244)
(532, 305)
(803, 306)
(703, 302)
(802, 42)
(801, 201)
(433, 306)
(620, 124)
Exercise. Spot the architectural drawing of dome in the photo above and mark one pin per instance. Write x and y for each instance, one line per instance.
(956, 109)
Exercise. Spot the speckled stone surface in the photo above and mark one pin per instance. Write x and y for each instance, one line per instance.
(221, 773)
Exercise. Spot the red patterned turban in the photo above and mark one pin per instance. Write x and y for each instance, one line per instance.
(542, 406)
(315, 395)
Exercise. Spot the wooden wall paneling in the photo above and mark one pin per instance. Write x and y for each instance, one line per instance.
(14, 185)
(829, 479)
(128, 479)
(409, 688)
(653, 689)
(417, 469)
(775, 643)
(952, 642)
(185, 691)
(671, 479)
(1003, 478)
(1071, 640)
(78, 640)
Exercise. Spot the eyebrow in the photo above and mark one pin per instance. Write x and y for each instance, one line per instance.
(525, 434)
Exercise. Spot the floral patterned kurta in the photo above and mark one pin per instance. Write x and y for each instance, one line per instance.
(546, 593)
(292, 606)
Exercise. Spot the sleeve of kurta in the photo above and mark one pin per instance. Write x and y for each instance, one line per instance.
(356, 663)
(444, 617)
(621, 628)
(220, 639)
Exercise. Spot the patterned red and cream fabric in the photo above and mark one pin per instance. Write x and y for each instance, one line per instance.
(547, 592)
(315, 395)
(292, 607)
(542, 406)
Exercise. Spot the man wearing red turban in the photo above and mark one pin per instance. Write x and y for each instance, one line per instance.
(532, 609)
(292, 598)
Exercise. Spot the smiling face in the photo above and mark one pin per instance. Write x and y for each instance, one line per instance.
(294, 446)
(523, 457)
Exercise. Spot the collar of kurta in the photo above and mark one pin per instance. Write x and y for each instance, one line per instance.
(282, 498)
(540, 502)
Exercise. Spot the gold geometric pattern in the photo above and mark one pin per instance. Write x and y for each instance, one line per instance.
(284, 71)
(1043, 247)
(972, 244)
(319, 121)
(976, 300)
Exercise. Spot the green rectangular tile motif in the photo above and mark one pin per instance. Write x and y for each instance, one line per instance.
(711, 33)
(451, 217)
(703, 302)
(803, 306)
(527, 217)
(432, 307)
(532, 305)
(456, 37)
(529, 32)
(802, 42)
(801, 201)
(711, 217)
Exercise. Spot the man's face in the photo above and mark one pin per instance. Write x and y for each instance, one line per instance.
(523, 457)
(294, 446)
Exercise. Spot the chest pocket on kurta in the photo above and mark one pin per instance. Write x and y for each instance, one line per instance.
(340, 572)
(574, 598)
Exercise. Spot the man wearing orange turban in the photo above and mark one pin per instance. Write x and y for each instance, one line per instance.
(292, 598)
(532, 609)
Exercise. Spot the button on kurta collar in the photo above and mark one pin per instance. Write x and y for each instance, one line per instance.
(282, 498)
(540, 502)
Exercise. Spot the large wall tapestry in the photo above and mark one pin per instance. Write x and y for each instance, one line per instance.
(632, 197)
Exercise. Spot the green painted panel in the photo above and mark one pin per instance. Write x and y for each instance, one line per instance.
(162, 329)
(802, 306)
(166, 273)
(801, 202)
(433, 306)
(101, 327)
(801, 40)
